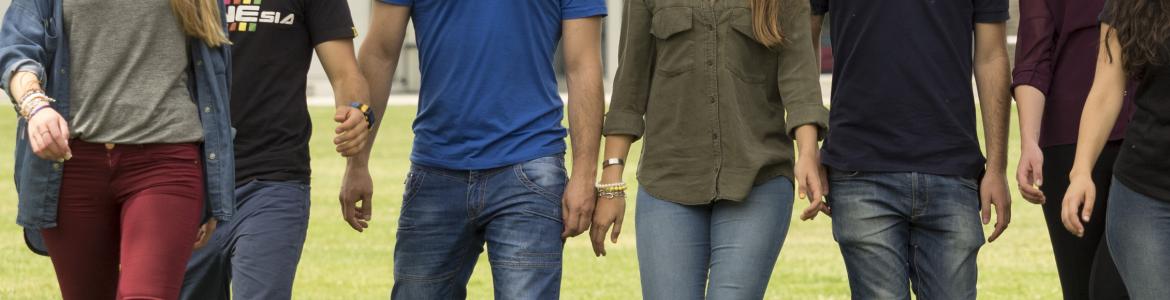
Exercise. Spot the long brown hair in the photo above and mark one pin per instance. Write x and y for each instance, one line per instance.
(765, 22)
(201, 19)
(1143, 30)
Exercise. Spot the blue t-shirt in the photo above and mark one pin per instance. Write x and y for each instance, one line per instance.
(489, 92)
(902, 99)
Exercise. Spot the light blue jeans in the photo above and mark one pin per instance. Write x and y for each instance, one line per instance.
(898, 228)
(448, 216)
(1138, 233)
(737, 243)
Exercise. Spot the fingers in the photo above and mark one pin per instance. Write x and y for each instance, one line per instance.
(985, 208)
(1068, 213)
(570, 219)
(1087, 211)
(349, 214)
(1038, 173)
(350, 118)
(57, 141)
(1032, 194)
(583, 221)
(366, 211)
(339, 115)
(617, 228)
(63, 128)
(597, 236)
(1003, 211)
(814, 207)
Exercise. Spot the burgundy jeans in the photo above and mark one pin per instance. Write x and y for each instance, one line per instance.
(127, 219)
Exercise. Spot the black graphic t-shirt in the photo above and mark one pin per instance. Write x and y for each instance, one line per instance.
(273, 43)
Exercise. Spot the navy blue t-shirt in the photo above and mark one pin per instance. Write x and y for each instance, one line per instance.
(489, 92)
(902, 99)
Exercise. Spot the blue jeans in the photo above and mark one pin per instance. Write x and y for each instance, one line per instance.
(255, 255)
(448, 215)
(898, 228)
(736, 242)
(1138, 232)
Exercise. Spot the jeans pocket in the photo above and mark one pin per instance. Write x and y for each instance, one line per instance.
(414, 178)
(545, 176)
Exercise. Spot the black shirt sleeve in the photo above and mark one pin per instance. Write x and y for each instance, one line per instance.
(1106, 16)
(819, 7)
(328, 20)
(991, 11)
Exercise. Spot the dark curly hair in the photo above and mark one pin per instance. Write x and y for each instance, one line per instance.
(1143, 30)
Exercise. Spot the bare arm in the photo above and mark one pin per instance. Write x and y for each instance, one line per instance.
(1032, 76)
(582, 49)
(992, 78)
(378, 59)
(337, 57)
(1102, 107)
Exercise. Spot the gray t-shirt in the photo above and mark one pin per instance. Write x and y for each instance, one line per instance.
(129, 76)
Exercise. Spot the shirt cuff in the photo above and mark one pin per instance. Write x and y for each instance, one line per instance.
(398, 2)
(26, 65)
(584, 12)
(992, 16)
(801, 115)
(334, 34)
(1038, 80)
(627, 123)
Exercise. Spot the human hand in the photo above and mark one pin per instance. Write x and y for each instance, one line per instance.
(609, 212)
(1078, 204)
(993, 192)
(352, 131)
(357, 187)
(1030, 174)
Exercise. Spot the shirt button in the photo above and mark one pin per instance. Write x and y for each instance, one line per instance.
(199, 62)
(56, 166)
(62, 71)
(715, 136)
(211, 156)
(207, 109)
(712, 99)
(710, 62)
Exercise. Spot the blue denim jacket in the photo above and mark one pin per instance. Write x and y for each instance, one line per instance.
(32, 39)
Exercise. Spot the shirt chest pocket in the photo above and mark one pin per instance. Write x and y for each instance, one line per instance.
(746, 57)
(671, 27)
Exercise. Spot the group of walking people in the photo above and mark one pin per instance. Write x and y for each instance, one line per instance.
(139, 143)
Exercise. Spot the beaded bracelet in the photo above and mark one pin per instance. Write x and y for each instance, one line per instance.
(35, 110)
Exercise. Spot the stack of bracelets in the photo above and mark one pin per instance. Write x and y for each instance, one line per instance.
(612, 190)
(33, 101)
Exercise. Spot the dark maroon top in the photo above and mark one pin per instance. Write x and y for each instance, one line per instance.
(1056, 52)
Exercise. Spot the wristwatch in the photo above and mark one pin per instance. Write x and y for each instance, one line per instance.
(365, 111)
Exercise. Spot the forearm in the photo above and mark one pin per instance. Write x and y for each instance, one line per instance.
(806, 139)
(586, 112)
(1097, 121)
(616, 146)
(378, 74)
(992, 78)
(1030, 103)
(23, 82)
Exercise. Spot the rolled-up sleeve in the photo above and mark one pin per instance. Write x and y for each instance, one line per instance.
(631, 89)
(21, 39)
(799, 74)
(1034, 46)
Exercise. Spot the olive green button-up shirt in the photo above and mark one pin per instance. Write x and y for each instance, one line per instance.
(709, 100)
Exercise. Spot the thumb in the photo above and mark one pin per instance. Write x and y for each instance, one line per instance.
(339, 116)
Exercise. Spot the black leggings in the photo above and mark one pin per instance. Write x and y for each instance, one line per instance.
(1085, 266)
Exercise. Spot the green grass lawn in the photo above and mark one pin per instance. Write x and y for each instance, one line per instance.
(339, 263)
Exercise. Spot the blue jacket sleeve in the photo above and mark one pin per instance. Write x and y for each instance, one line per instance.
(22, 40)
